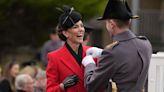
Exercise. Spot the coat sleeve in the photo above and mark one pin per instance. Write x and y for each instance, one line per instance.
(97, 78)
(52, 76)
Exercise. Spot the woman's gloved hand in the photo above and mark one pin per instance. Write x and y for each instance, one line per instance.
(70, 81)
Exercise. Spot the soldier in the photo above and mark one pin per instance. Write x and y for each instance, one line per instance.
(125, 61)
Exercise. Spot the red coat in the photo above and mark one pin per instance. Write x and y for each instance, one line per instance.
(61, 64)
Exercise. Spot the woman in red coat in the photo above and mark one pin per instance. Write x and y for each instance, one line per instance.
(65, 71)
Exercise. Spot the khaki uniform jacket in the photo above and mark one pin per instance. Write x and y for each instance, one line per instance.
(126, 62)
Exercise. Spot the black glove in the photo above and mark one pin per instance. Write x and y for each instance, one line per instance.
(70, 81)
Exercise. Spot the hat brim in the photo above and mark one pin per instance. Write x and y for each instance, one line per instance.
(135, 17)
(101, 18)
(132, 17)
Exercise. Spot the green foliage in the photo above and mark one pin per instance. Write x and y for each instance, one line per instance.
(27, 21)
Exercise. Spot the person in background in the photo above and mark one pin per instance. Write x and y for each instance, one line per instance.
(53, 44)
(87, 34)
(10, 72)
(24, 83)
(125, 61)
(29, 67)
(65, 72)
(40, 81)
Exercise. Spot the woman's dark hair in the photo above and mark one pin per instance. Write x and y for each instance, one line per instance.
(60, 34)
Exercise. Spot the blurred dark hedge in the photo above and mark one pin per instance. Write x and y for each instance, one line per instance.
(25, 22)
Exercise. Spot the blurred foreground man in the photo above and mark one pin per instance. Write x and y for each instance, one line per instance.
(125, 61)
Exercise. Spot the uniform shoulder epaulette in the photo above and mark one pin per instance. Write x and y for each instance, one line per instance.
(113, 44)
(142, 37)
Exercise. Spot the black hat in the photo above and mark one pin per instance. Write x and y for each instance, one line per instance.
(69, 17)
(117, 9)
(88, 28)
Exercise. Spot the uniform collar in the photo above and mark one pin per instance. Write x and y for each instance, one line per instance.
(127, 35)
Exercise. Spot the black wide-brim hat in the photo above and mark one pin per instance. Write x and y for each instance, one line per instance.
(117, 9)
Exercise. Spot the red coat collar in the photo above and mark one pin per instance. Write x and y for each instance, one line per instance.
(70, 61)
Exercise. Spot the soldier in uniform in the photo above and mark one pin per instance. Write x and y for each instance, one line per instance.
(125, 61)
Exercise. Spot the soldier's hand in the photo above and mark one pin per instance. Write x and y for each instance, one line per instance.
(94, 52)
(87, 60)
(70, 81)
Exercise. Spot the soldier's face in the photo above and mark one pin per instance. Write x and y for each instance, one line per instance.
(109, 26)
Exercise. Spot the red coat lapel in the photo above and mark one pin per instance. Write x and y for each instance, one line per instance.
(71, 63)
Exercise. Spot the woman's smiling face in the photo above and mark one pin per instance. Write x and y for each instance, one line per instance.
(75, 34)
